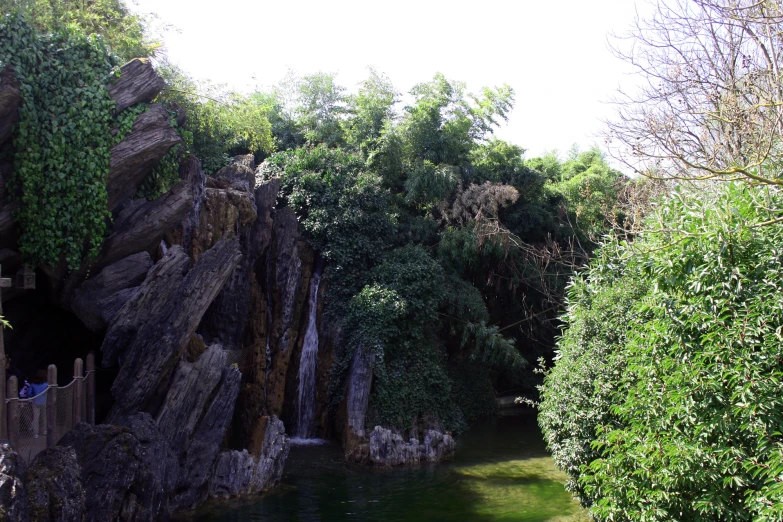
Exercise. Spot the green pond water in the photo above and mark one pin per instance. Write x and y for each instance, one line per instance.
(501, 472)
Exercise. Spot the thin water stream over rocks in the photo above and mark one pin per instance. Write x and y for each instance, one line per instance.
(307, 364)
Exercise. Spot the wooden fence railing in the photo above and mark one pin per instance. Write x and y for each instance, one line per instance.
(33, 424)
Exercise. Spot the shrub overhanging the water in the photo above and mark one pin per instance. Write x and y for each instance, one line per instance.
(665, 402)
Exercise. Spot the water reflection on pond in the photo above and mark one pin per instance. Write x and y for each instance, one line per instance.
(501, 473)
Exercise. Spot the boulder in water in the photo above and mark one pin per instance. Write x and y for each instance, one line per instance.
(388, 449)
(240, 473)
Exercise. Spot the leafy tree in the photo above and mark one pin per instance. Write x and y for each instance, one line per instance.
(219, 123)
(321, 106)
(549, 165)
(430, 194)
(589, 188)
(370, 110)
(444, 123)
(127, 34)
(286, 132)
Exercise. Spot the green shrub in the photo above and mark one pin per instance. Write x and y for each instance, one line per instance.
(219, 124)
(343, 211)
(577, 395)
(686, 409)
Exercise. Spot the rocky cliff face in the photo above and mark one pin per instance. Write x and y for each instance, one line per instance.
(198, 302)
(178, 299)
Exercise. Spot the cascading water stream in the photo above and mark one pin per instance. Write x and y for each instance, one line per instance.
(269, 318)
(305, 410)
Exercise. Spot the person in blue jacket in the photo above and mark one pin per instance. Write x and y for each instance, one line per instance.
(37, 388)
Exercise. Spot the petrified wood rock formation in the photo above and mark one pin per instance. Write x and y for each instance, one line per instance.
(97, 301)
(142, 224)
(138, 82)
(203, 446)
(133, 158)
(191, 388)
(199, 455)
(153, 327)
(240, 473)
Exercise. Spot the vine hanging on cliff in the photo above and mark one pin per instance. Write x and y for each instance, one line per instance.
(63, 141)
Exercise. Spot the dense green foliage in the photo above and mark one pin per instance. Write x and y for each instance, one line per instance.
(674, 413)
(432, 231)
(219, 123)
(62, 142)
(125, 33)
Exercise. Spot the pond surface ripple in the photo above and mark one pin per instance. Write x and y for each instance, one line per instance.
(501, 472)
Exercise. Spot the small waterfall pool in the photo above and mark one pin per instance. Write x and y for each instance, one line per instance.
(501, 472)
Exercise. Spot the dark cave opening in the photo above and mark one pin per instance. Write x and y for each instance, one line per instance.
(43, 333)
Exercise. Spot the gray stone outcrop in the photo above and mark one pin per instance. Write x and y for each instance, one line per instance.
(388, 449)
(54, 487)
(13, 496)
(239, 473)
(127, 472)
(154, 326)
(133, 158)
(97, 301)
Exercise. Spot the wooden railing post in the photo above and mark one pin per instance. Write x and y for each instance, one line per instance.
(51, 407)
(78, 392)
(3, 406)
(3, 359)
(13, 412)
(90, 388)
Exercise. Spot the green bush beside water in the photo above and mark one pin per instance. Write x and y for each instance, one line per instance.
(665, 401)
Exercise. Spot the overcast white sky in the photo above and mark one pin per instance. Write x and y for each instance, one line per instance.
(553, 53)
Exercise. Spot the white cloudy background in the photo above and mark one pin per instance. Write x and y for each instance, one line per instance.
(554, 54)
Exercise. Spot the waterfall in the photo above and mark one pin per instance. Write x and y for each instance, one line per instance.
(307, 364)
(269, 319)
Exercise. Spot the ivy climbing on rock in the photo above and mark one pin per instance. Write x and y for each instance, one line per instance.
(63, 141)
